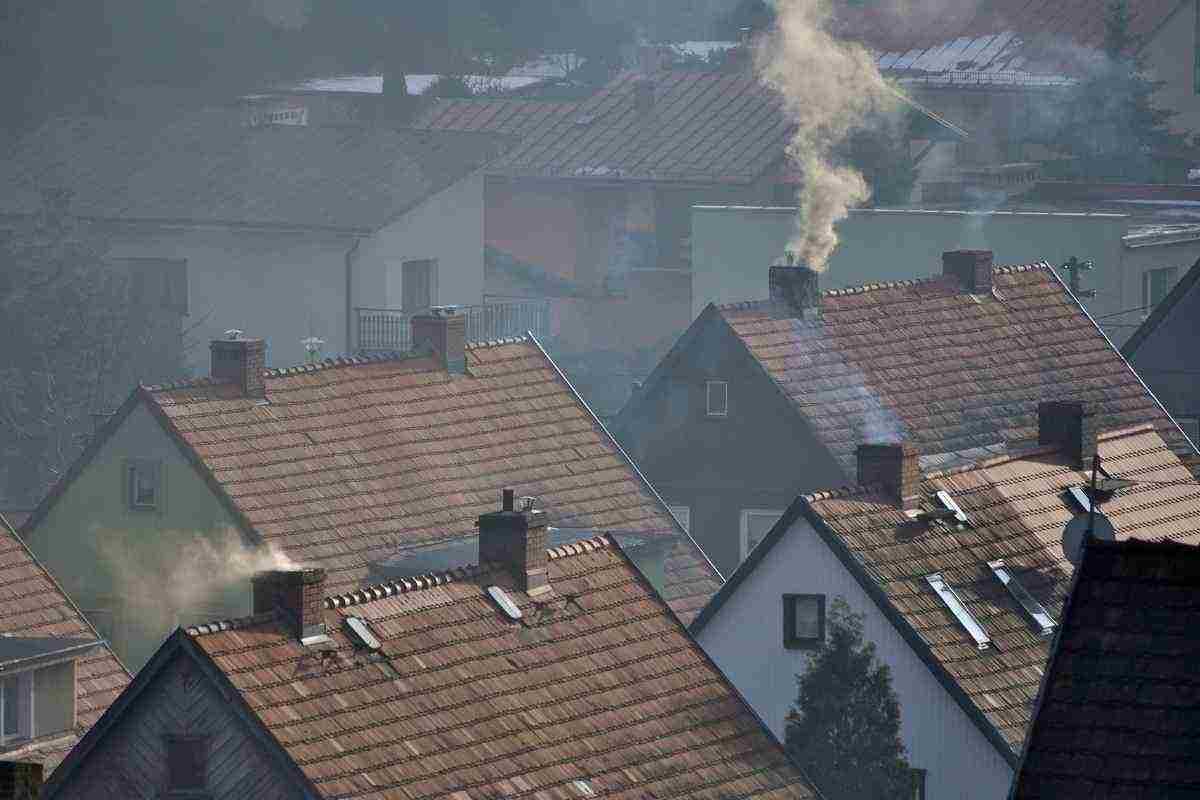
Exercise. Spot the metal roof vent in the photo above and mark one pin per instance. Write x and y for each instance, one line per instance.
(361, 633)
(959, 609)
(501, 598)
(1036, 611)
(584, 788)
(948, 504)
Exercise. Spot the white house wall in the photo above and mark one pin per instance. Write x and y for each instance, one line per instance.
(448, 227)
(280, 286)
(745, 639)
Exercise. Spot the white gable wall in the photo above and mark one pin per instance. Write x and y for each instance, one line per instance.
(745, 639)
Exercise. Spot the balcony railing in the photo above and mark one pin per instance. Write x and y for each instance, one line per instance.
(391, 328)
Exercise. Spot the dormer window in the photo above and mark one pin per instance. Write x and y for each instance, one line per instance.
(37, 685)
(16, 694)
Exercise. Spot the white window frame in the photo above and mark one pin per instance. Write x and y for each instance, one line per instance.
(134, 467)
(708, 404)
(1148, 302)
(744, 528)
(683, 515)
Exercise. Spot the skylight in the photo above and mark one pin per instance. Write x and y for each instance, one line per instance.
(959, 610)
(947, 502)
(1037, 613)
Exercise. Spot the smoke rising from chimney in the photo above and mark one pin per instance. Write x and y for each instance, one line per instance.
(829, 87)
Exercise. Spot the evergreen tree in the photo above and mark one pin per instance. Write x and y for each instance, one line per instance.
(1110, 125)
(844, 730)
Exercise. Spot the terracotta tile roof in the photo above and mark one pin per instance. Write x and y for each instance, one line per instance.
(598, 691)
(35, 606)
(1017, 511)
(355, 459)
(1120, 712)
(710, 127)
(946, 370)
(995, 35)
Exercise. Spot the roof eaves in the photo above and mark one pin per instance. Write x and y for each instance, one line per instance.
(1161, 311)
(625, 457)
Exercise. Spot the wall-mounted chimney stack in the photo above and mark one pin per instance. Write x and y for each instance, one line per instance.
(298, 593)
(971, 268)
(894, 466)
(21, 780)
(796, 287)
(1073, 427)
(442, 331)
(241, 361)
(517, 540)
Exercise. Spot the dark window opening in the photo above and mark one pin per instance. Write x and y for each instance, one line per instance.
(187, 758)
(418, 284)
(143, 484)
(10, 714)
(803, 621)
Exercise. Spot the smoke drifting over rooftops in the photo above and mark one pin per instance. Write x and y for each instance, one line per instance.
(829, 89)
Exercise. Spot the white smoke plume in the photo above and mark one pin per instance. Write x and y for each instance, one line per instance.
(829, 87)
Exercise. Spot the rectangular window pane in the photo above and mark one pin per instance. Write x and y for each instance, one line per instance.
(808, 618)
(756, 524)
(12, 706)
(718, 398)
(143, 484)
(1156, 285)
(417, 284)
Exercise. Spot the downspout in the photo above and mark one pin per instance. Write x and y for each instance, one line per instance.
(351, 257)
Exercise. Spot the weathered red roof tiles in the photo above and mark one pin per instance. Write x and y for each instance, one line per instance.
(1017, 512)
(946, 370)
(357, 458)
(597, 691)
(34, 605)
(709, 127)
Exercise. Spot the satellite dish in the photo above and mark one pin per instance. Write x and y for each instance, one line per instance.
(1076, 530)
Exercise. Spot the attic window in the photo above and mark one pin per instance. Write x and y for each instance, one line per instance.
(717, 398)
(143, 484)
(187, 762)
(959, 610)
(947, 502)
(1036, 612)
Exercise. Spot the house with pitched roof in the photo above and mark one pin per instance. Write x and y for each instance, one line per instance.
(57, 674)
(358, 465)
(1161, 349)
(1116, 714)
(758, 402)
(548, 672)
(960, 574)
(1000, 69)
(284, 228)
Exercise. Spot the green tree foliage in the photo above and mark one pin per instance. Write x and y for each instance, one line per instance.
(844, 730)
(1109, 124)
(73, 343)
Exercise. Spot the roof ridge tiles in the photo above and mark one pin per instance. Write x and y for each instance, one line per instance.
(217, 626)
(185, 383)
(863, 288)
(843, 492)
(477, 345)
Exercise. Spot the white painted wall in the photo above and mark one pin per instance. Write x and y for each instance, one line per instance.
(745, 639)
(281, 286)
(448, 227)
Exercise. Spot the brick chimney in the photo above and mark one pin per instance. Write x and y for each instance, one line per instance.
(241, 361)
(516, 539)
(299, 593)
(896, 467)
(20, 780)
(1071, 425)
(797, 287)
(971, 268)
(442, 331)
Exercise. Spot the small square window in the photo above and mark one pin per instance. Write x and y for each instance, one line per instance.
(143, 484)
(187, 758)
(803, 621)
(717, 393)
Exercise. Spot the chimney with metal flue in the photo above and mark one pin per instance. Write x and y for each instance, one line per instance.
(516, 539)
(442, 331)
(798, 288)
(1073, 427)
(298, 593)
(971, 268)
(241, 361)
(894, 465)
